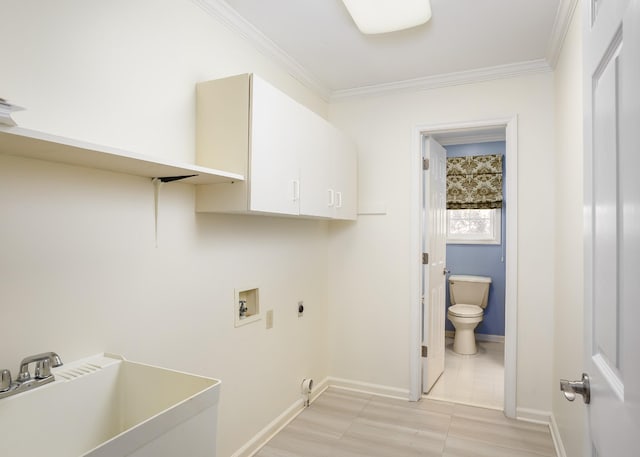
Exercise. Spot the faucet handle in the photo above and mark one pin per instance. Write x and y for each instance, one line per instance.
(5, 380)
(43, 369)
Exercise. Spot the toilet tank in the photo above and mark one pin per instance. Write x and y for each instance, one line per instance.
(469, 290)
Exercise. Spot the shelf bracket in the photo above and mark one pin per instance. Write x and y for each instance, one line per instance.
(173, 178)
(157, 183)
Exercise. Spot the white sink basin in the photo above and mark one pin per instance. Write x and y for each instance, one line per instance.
(105, 406)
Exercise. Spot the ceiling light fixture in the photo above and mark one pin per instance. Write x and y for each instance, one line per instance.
(382, 16)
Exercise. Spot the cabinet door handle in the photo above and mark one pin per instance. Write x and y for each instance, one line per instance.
(296, 190)
(339, 198)
(332, 199)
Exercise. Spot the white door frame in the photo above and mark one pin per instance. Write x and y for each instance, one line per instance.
(511, 258)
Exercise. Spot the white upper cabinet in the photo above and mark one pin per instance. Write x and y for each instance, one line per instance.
(345, 185)
(328, 175)
(274, 178)
(316, 171)
(295, 161)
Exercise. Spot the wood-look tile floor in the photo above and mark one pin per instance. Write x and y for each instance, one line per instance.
(342, 423)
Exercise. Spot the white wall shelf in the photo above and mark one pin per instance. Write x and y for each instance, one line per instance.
(22, 142)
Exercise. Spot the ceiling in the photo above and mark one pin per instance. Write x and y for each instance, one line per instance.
(465, 40)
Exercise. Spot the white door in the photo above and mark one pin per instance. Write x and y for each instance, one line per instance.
(612, 224)
(434, 239)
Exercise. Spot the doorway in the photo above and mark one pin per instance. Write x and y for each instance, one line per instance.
(479, 131)
(475, 247)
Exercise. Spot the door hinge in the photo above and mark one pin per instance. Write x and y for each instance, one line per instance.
(425, 258)
(425, 164)
(425, 351)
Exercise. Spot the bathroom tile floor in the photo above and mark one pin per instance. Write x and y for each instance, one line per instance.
(342, 423)
(476, 380)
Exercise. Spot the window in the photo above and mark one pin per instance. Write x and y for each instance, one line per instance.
(473, 226)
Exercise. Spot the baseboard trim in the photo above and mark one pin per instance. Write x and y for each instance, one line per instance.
(368, 388)
(548, 419)
(490, 338)
(479, 337)
(533, 415)
(557, 438)
(263, 436)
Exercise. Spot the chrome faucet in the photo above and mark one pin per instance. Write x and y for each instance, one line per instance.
(44, 363)
(41, 376)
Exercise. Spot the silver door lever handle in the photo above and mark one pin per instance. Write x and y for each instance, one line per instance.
(571, 388)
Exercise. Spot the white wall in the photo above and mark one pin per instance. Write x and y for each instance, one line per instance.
(369, 278)
(569, 296)
(79, 270)
(121, 72)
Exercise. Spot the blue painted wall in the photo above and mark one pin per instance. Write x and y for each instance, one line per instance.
(481, 259)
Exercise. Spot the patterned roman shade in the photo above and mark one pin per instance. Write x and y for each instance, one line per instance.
(474, 182)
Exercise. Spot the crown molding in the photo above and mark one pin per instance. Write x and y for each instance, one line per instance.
(448, 79)
(564, 15)
(229, 18)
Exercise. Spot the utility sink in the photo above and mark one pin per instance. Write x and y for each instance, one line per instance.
(106, 406)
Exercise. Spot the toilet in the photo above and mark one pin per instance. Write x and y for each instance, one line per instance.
(468, 296)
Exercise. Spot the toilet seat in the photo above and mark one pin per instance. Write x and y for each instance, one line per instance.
(462, 310)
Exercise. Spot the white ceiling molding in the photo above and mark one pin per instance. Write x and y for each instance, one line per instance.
(564, 15)
(449, 79)
(228, 17)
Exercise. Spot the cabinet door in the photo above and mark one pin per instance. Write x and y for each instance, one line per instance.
(317, 195)
(345, 177)
(273, 165)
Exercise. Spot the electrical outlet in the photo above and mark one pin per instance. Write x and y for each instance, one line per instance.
(300, 308)
(270, 319)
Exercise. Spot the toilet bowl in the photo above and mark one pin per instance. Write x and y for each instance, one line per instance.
(468, 297)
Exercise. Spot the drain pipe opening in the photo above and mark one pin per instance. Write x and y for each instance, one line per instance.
(306, 387)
